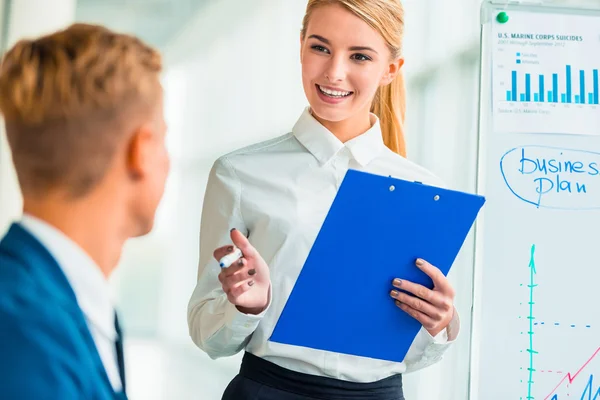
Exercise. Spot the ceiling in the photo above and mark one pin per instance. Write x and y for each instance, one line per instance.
(155, 21)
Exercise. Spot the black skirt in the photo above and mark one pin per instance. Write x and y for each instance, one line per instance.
(262, 380)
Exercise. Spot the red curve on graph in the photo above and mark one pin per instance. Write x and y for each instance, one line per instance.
(570, 377)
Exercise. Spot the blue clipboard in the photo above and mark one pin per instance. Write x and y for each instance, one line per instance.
(375, 230)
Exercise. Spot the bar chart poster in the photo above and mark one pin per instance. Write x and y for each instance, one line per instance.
(546, 74)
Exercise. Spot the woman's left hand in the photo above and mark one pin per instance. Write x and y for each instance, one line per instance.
(434, 309)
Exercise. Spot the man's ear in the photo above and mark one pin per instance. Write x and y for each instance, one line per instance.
(393, 71)
(139, 151)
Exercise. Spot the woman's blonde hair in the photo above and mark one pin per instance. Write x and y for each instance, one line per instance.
(387, 18)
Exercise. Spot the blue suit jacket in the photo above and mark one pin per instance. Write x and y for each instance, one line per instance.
(46, 348)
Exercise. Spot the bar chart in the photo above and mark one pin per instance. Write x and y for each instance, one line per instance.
(548, 89)
(537, 91)
(546, 82)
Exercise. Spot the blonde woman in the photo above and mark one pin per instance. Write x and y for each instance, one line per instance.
(270, 199)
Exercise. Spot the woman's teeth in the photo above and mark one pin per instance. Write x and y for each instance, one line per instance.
(333, 93)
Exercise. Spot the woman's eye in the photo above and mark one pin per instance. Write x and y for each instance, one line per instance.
(320, 48)
(361, 57)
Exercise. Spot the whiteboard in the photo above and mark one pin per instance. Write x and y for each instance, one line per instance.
(536, 330)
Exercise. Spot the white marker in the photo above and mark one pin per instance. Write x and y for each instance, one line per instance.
(229, 259)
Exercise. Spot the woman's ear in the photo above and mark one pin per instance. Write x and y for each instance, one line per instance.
(392, 71)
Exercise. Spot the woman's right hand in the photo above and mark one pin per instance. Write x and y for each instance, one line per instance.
(247, 281)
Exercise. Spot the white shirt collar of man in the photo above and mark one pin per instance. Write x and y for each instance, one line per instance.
(324, 145)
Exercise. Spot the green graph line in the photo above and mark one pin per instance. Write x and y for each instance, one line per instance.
(530, 317)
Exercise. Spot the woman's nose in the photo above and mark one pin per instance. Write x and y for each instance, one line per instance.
(336, 69)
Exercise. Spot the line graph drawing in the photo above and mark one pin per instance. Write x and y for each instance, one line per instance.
(570, 378)
(573, 384)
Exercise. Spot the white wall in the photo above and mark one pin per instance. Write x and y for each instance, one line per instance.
(3, 5)
(220, 84)
(231, 58)
(26, 18)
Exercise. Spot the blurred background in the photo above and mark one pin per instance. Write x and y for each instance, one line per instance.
(232, 78)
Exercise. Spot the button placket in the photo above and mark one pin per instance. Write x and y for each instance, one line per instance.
(340, 165)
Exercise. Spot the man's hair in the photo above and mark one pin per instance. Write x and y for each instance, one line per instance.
(68, 100)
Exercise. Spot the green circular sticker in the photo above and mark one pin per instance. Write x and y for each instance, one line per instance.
(502, 17)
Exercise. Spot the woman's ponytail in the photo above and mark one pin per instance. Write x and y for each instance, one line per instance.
(389, 105)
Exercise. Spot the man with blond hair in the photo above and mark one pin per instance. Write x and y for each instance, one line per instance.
(84, 121)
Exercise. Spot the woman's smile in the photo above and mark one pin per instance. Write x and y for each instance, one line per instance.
(332, 95)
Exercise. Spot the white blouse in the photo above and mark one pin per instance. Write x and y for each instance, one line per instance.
(278, 193)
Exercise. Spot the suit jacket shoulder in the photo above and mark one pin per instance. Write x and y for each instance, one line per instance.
(46, 349)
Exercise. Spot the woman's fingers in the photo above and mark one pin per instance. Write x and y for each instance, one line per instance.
(248, 272)
(417, 304)
(222, 252)
(240, 270)
(243, 244)
(235, 268)
(237, 278)
(420, 291)
(424, 319)
(440, 282)
(432, 308)
(238, 289)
